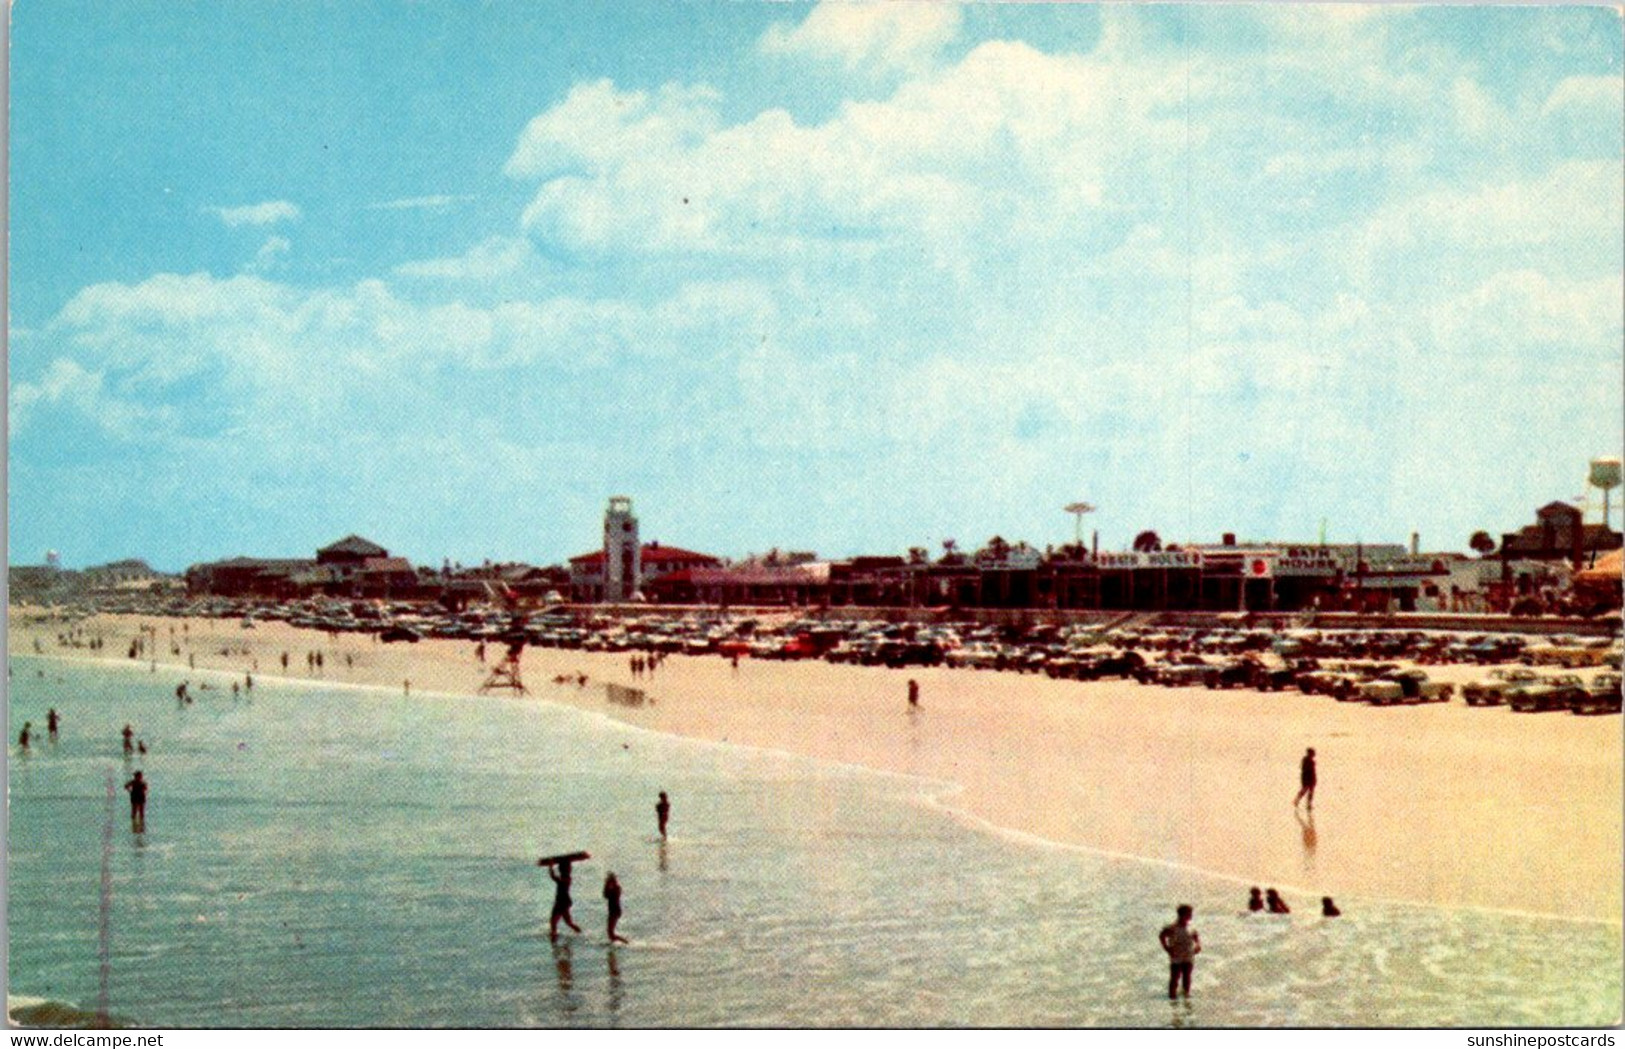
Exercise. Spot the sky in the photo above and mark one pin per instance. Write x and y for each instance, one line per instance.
(848, 278)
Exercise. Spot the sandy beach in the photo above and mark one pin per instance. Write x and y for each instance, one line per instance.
(1438, 804)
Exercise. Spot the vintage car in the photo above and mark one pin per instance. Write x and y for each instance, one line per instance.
(1237, 673)
(1494, 692)
(1553, 693)
(1602, 696)
(1405, 686)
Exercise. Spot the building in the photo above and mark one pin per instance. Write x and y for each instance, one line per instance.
(623, 558)
(625, 569)
(351, 567)
(1559, 533)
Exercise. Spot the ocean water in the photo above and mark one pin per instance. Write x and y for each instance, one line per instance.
(333, 857)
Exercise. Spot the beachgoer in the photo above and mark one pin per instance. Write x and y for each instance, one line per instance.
(612, 897)
(51, 722)
(284, 661)
(663, 813)
(561, 899)
(1183, 945)
(913, 693)
(23, 736)
(1307, 777)
(1274, 904)
(248, 682)
(138, 803)
(1328, 909)
(406, 686)
(1255, 899)
(129, 739)
(140, 746)
(734, 659)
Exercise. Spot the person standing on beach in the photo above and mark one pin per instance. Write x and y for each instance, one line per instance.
(913, 694)
(51, 722)
(23, 736)
(129, 739)
(663, 813)
(612, 898)
(1306, 776)
(1183, 944)
(138, 803)
(561, 899)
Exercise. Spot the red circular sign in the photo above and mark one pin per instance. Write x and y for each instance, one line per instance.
(1261, 567)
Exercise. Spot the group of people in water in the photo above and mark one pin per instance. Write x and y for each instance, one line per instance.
(1270, 902)
(1181, 942)
(561, 873)
(52, 722)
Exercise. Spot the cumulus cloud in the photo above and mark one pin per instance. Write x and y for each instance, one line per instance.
(878, 36)
(268, 213)
(65, 384)
(270, 254)
(492, 258)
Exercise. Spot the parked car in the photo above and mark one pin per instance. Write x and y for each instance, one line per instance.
(1494, 692)
(1553, 693)
(1405, 686)
(1602, 696)
(399, 633)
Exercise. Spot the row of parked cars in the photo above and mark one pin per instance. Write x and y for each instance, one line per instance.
(1528, 692)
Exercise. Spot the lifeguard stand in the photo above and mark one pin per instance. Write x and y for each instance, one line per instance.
(505, 675)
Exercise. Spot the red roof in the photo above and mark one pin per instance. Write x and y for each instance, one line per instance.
(654, 553)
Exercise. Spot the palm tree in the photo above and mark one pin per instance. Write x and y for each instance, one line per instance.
(1147, 542)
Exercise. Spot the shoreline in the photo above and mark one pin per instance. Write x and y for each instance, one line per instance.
(1082, 788)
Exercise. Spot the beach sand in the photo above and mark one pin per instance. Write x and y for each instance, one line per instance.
(1438, 804)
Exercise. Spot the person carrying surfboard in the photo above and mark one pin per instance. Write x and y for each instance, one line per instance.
(560, 873)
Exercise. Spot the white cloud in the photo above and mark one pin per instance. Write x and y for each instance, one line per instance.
(266, 214)
(433, 202)
(1008, 144)
(270, 255)
(882, 35)
(491, 259)
(1534, 316)
(1587, 96)
(66, 384)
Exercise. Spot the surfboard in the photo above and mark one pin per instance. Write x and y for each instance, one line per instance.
(563, 857)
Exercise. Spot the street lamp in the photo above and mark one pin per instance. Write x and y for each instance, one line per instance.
(1077, 510)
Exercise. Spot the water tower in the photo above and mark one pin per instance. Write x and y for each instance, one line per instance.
(1604, 476)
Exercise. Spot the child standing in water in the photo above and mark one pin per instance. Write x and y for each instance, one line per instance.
(612, 897)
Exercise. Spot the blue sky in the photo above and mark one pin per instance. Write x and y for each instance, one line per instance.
(848, 278)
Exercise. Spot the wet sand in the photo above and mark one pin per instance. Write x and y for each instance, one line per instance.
(1441, 804)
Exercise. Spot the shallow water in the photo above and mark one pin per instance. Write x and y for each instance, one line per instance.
(324, 856)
